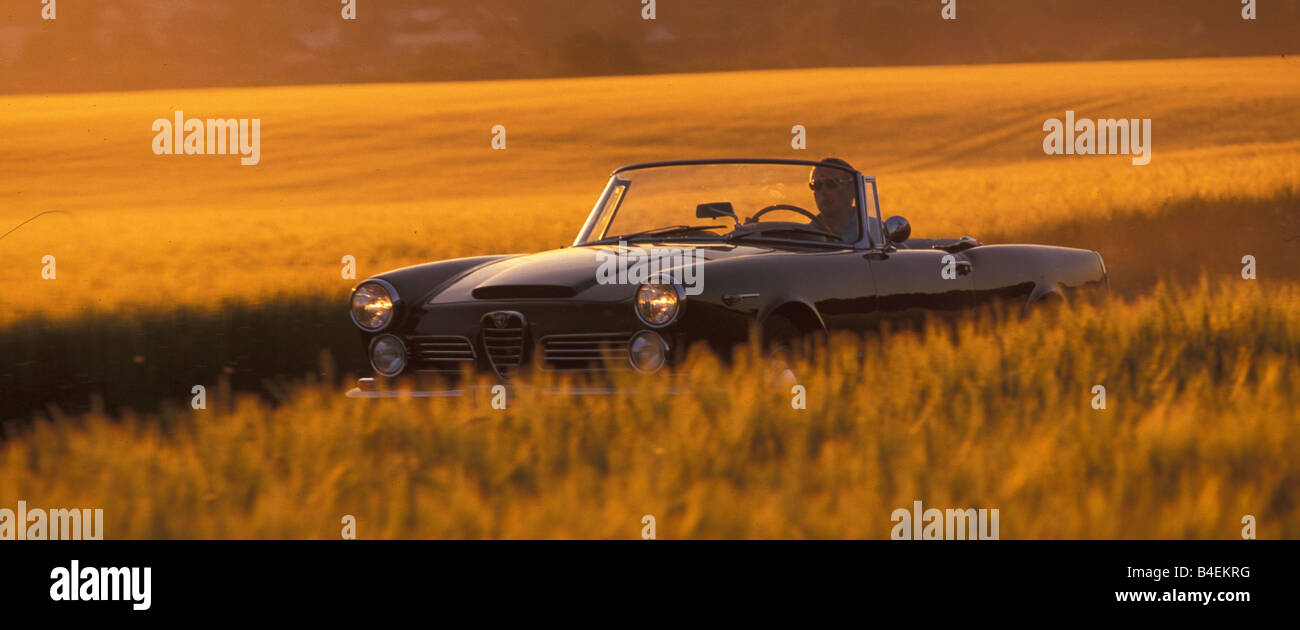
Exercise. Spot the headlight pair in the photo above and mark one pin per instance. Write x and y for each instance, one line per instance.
(373, 303)
(658, 304)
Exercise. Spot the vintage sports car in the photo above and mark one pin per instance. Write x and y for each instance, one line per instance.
(674, 253)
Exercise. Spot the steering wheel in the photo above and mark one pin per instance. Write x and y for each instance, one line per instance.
(785, 206)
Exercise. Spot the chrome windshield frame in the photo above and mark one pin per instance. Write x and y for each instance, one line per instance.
(865, 240)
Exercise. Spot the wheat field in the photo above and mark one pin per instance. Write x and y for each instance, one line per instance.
(401, 174)
(1199, 430)
(180, 270)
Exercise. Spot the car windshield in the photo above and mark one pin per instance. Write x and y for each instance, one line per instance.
(729, 200)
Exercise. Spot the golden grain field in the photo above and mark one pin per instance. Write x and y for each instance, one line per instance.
(1203, 400)
(174, 270)
(400, 174)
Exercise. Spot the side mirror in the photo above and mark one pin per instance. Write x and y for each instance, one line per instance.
(897, 229)
(716, 210)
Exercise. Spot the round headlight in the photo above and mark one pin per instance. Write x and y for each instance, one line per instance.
(658, 304)
(372, 305)
(387, 355)
(647, 351)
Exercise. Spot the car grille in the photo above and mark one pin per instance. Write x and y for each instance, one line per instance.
(441, 353)
(585, 352)
(503, 340)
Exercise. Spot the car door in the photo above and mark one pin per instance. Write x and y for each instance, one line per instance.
(848, 301)
(911, 282)
(875, 283)
(843, 289)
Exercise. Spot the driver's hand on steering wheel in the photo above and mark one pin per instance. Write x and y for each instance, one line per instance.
(749, 220)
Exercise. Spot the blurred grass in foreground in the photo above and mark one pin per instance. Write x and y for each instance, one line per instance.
(1200, 429)
(144, 359)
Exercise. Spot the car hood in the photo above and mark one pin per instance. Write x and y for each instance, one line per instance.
(571, 272)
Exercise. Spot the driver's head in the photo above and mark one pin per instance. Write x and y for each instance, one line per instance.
(834, 191)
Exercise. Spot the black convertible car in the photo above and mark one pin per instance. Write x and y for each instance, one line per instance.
(679, 252)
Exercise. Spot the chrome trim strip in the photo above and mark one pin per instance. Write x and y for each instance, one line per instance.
(357, 392)
(606, 347)
(416, 356)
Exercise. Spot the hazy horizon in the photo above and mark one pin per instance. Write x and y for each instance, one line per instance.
(93, 46)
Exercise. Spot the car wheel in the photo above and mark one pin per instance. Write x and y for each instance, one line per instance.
(1051, 302)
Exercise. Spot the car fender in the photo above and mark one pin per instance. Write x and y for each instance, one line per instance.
(417, 283)
(1045, 291)
(809, 316)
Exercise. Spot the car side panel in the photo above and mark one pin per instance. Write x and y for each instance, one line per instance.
(1019, 273)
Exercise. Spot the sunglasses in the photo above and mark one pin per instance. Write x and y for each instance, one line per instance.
(829, 184)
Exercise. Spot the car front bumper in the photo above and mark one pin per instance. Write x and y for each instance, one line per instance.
(370, 388)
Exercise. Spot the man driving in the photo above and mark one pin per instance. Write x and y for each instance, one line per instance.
(836, 194)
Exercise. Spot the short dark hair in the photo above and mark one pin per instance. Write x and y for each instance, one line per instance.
(834, 161)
